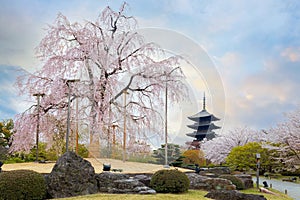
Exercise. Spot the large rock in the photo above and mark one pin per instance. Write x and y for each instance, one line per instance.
(197, 181)
(219, 184)
(200, 182)
(232, 195)
(121, 183)
(106, 180)
(144, 179)
(247, 180)
(71, 176)
(218, 170)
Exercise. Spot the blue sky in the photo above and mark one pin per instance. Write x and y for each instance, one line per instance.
(254, 45)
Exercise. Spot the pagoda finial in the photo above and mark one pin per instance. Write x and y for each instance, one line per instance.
(204, 101)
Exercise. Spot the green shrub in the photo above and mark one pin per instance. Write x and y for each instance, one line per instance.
(22, 184)
(178, 162)
(141, 158)
(52, 154)
(83, 151)
(194, 156)
(3, 153)
(169, 181)
(13, 160)
(239, 184)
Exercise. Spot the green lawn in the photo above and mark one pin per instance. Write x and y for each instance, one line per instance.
(279, 196)
(191, 195)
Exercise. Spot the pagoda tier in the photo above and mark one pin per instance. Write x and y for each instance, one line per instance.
(203, 116)
(202, 125)
(200, 136)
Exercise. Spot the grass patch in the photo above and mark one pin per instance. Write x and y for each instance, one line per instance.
(190, 195)
(279, 196)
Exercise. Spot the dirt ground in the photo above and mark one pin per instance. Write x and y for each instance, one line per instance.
(127, 167)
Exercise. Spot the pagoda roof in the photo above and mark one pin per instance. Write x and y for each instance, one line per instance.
(195, 134)
(211, 125)
(202, 114)
(204, 123)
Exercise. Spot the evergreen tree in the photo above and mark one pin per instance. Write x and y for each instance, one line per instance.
(173, 153)
(6, 132)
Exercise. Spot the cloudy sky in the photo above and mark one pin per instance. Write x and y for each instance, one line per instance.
(252, 49)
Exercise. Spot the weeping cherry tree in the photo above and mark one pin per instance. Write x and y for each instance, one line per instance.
(111, 61)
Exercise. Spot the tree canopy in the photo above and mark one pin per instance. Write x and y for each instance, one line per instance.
(283, 142)
(243, 158)
(6, 133)
(286, 141)
(194, 156)
(112, 62)
(173, 153)
(217, 149)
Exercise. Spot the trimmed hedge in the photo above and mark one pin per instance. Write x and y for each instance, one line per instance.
(22, 184)
(235, 181)
(170, 181)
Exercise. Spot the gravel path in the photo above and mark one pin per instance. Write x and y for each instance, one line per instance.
(127, 167)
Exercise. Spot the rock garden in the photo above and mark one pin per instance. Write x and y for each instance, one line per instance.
(74, 176)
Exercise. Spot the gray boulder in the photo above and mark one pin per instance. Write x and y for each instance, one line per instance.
(247, 180)
(106, 180)
(200, 182)
(71, 176)
(144, 179)
(219, 184)
(197, 181)
(218, 170)
(121, 183)
(144, 190)
(232, 195)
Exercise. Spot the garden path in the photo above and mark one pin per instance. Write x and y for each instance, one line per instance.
(127, 167)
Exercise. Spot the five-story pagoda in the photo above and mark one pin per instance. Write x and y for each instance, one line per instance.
(203, 127)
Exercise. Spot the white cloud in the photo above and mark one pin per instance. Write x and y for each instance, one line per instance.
(259, 98)
(10, 101)
(230, 63)
(291, 53)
